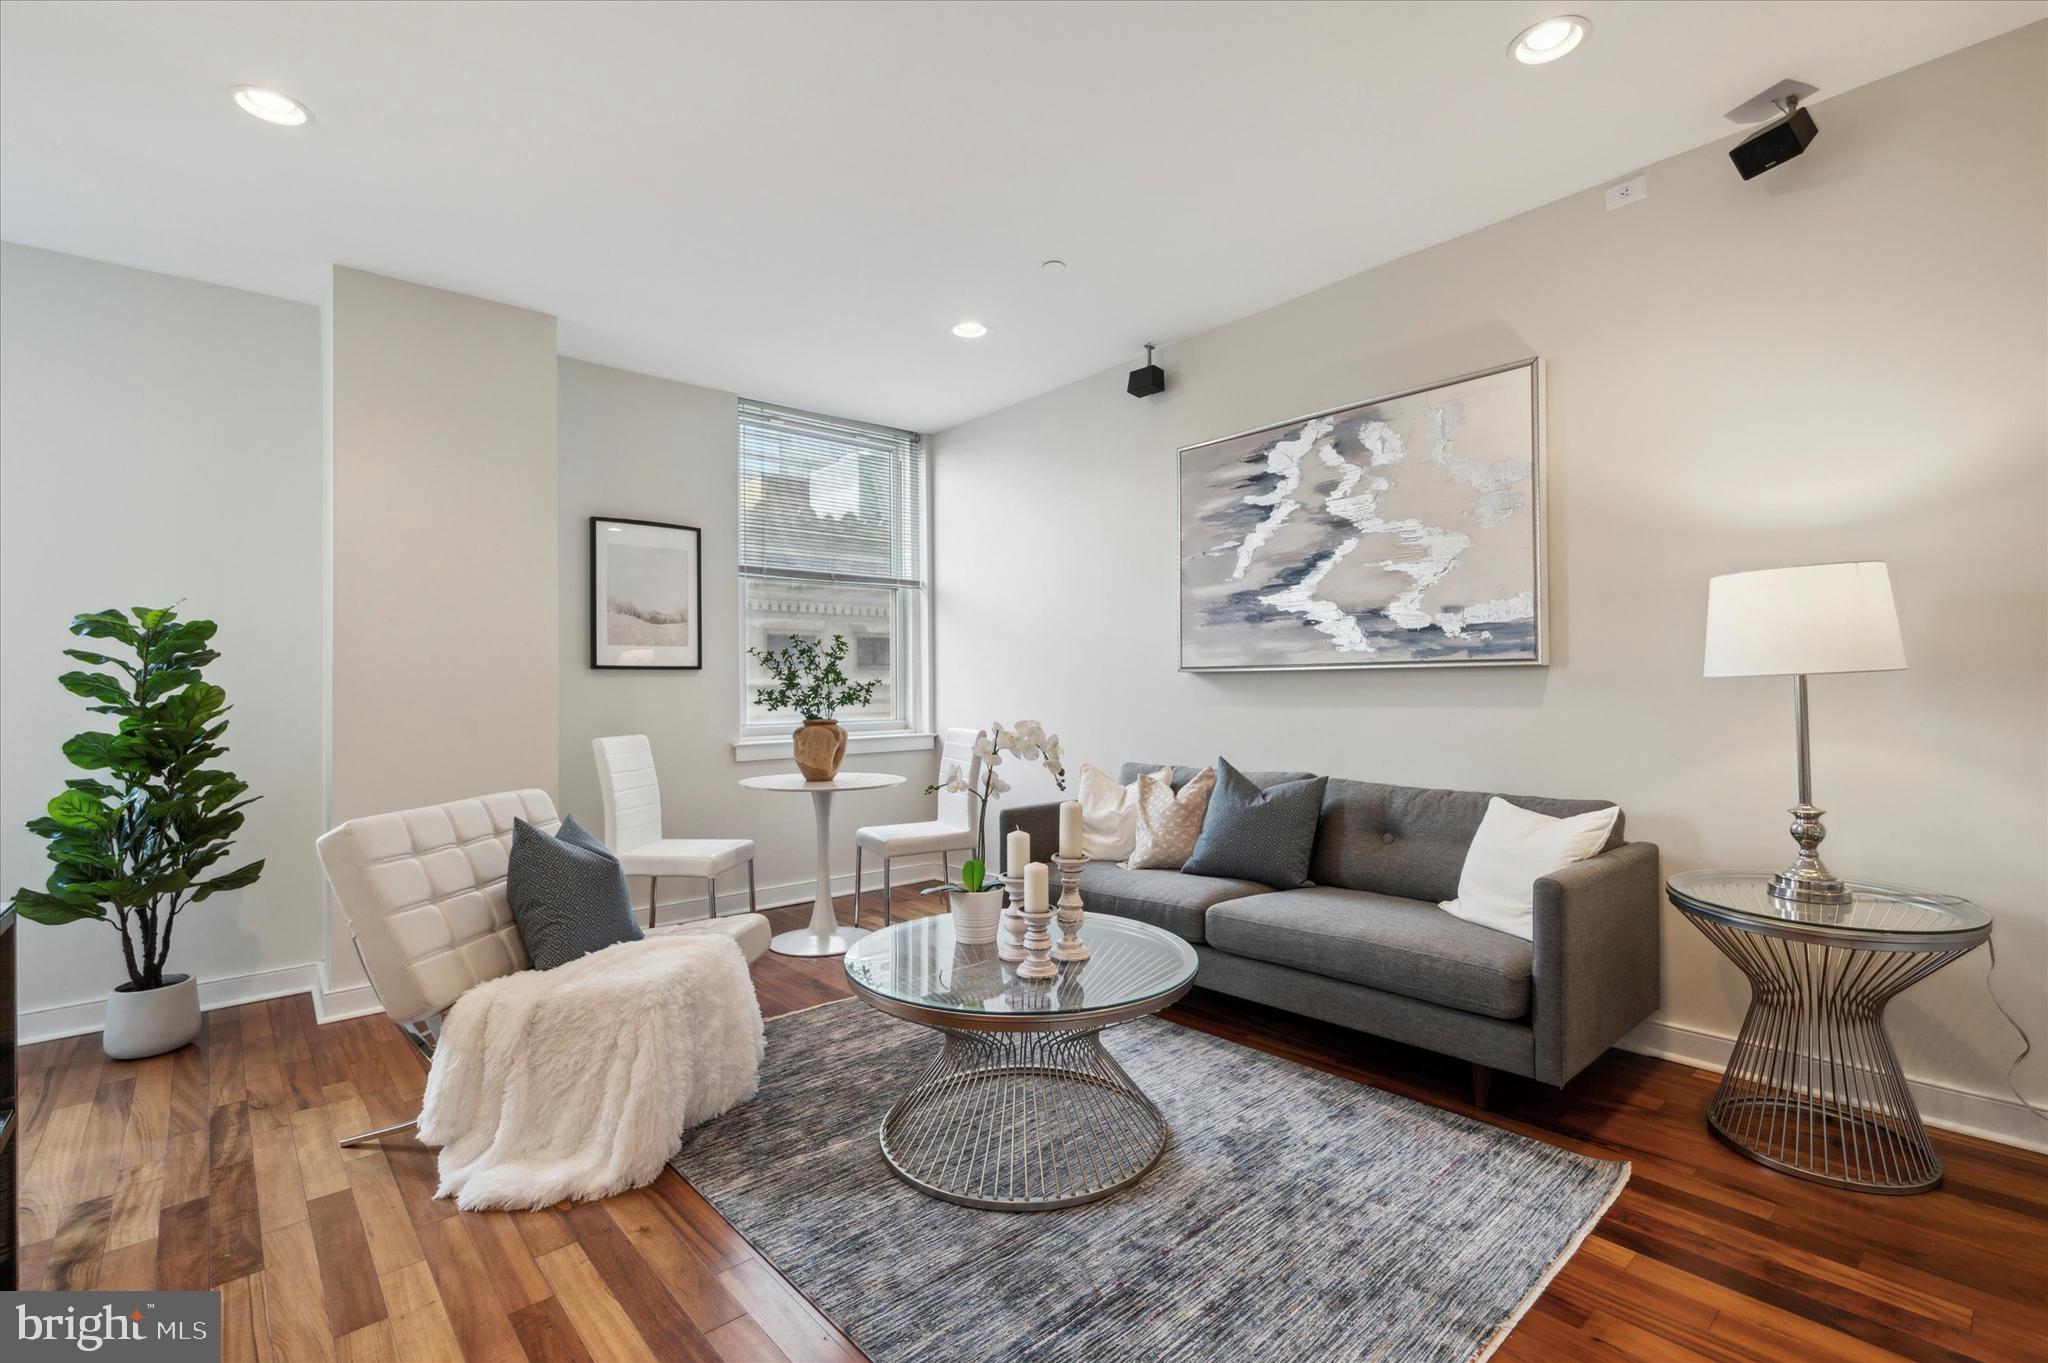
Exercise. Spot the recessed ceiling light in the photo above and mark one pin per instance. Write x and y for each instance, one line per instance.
(969, 331)
(1549, 40)
(272, 106)
(1053, 266)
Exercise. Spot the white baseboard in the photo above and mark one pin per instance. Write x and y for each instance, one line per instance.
(904, 871)
(76, 1019)
(332, 1005)
(1995, 1117)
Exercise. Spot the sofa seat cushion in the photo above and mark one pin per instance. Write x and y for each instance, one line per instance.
(1165, 899)
(1402, 946)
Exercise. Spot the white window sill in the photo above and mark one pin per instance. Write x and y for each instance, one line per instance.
(780, 749)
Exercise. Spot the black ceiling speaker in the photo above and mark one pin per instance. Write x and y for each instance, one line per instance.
(1147, 379)
(1779, 141)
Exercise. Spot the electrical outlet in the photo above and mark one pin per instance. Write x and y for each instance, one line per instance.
(1627, 192)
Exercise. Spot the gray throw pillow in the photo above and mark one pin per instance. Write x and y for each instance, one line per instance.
(1258, 835)
(567, 893)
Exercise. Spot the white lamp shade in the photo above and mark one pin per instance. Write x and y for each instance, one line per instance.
(1831, 617)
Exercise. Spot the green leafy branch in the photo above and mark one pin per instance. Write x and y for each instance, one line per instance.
(809, 680)
(132, 850)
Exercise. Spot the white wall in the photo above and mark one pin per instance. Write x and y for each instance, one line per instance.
(160, 440)
(442, 575)
(648, 449)
(1841, 360)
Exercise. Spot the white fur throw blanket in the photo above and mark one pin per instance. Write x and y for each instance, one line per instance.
(578, 1082)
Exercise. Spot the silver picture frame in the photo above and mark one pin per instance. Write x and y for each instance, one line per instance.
(1539, 510)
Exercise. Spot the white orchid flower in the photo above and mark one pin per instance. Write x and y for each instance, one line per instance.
(954, 781)
(997, 785)
(1026, 740)
(985, 749)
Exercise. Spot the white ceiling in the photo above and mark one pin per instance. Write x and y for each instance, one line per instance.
(797, 201)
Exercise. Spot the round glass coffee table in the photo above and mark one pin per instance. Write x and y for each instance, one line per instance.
(1813, 1087)
(1022, 1109)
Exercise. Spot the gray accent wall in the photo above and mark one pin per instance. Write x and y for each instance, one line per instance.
(1842, 359)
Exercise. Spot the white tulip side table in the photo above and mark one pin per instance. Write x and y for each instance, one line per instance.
(822, 936)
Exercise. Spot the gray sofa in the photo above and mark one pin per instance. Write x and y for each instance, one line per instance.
(1365, 945)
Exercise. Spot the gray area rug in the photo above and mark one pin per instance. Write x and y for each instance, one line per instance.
(1296, 1216)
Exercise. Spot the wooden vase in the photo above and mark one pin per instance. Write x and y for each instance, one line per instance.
(820, 747)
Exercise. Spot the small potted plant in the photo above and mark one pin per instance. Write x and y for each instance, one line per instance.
(976, 899)
(809, 681)
(133, 850)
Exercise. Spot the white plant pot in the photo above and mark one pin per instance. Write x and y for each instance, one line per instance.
(976, 916)
(145, 1022)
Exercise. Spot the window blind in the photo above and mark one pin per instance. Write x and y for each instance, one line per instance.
(830, 500)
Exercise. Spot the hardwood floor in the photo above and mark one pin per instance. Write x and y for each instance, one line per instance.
(216, 1167)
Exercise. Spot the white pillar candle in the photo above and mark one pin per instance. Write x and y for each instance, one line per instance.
(1017, 852)
(1070, 829)
(1034, 887)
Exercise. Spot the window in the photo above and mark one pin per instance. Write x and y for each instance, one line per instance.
(832, 541)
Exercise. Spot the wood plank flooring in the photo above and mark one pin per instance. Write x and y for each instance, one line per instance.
(216, 1167)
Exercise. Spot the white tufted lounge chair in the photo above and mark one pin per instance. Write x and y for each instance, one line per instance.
(424, 891)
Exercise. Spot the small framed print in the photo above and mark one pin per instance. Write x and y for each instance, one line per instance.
(646, 594)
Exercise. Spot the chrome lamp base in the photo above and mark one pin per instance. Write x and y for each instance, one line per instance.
(1807, 880)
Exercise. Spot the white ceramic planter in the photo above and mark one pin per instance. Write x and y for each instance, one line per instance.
(145, 1022)
(976, 915)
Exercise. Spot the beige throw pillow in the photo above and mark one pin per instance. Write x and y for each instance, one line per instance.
(1169, 823)
(1109, 814)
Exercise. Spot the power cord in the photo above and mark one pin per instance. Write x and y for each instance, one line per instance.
(2026, 1042)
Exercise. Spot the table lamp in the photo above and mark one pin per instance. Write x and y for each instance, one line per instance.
(1830, 617)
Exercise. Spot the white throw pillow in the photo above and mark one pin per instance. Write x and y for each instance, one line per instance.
(1169, 822)
(1109, 814)
(1513, 849)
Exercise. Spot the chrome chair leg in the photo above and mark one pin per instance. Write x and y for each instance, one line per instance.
(946, 867)
(753, 899)
(711, 893)
(886, 895)
(653, 898)
(365, 1137)
(856, 884)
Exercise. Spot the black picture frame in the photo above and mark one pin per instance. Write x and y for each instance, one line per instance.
(600, 528)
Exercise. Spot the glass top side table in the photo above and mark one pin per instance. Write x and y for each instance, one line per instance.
(1813, 1087)
(1022, 1108)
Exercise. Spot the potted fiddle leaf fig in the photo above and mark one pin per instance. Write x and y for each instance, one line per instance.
(134, 843)
(811, 681)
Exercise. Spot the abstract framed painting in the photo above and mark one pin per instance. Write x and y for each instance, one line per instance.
(646, 594)
(1406, 531)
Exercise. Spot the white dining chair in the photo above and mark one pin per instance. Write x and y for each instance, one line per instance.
(632, 827)
(952, 831)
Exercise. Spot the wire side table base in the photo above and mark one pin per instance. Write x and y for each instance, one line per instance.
(1023, 1121)
(1813, 1087)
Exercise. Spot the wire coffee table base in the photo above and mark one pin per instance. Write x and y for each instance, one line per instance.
(1813, 1087)
(1023, 1121)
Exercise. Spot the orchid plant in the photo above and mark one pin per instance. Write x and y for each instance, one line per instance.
(1027, 741)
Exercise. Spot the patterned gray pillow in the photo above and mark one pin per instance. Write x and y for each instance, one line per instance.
(1258, 835)
(567, 893)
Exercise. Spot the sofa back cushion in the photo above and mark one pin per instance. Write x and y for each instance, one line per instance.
(1183, 775)
(1410, 841)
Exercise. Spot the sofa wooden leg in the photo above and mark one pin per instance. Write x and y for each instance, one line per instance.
(1482, 1087)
